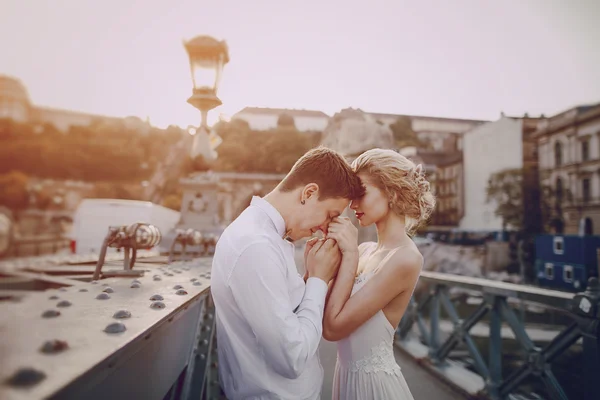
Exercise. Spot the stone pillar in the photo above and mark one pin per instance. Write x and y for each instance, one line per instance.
(200, 206)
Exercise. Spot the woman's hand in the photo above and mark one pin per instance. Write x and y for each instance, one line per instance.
(345, 234)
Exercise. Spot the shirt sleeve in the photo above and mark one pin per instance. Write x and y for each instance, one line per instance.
(287, 339)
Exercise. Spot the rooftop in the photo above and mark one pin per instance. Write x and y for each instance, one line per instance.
(422, 117)
(278, 111)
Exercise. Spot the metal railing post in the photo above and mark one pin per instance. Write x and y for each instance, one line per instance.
(586, 308)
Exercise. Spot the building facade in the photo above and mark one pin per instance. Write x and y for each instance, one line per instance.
(449, 191)
(488, 149)
(444, 171)
(442, 134)
(569, 163)
(262, 119)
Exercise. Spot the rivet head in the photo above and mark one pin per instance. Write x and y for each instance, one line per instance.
(197, 283)
(64, 303)
(193, 279)
(62, 289)
(83, 290)
(54, 346)
(103, 296)
(122, 314)
(53, 297)
(156, 297)
(135, 285)
(51, 313)
(94, 282)
(205, 342)
(177, 287)
(181, 292)
(178, 272)
(169, 274)
(26, 377)
(115, 327)
(157, 305)
(108, 290)
(202, 356)
(105, 284)
(136, 281)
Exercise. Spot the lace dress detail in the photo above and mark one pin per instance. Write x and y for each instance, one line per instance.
(381, 360)
(360, 278)
(366, 368)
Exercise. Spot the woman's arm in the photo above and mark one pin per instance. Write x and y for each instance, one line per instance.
(344, 314)
(340, 291)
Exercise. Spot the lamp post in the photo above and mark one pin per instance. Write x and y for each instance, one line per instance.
(207, 57)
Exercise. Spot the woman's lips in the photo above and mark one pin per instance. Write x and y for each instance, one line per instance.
(359, 215)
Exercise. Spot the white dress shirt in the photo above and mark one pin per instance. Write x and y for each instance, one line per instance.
(269, 322)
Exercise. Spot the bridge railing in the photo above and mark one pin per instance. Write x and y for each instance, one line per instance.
(420, 334)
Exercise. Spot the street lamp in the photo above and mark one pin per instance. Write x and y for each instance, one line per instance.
(207, 57)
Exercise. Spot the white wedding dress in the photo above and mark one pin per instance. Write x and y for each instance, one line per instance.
(366, 368)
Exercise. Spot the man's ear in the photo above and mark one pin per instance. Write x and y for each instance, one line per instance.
(311, 190)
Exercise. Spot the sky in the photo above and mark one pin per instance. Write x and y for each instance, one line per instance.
(458, 59)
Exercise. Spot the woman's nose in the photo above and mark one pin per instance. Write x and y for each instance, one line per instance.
(353, 204)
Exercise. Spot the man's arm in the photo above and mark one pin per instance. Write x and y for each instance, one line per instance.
(287, 339)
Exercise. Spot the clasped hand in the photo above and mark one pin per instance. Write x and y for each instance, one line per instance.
(322, 257)
(345, 234)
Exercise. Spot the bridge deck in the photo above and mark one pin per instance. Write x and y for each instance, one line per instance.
(422, 384)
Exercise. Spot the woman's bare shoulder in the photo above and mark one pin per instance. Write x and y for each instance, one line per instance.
(407, 260)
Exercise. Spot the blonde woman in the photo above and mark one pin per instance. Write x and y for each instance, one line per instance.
(376, 280)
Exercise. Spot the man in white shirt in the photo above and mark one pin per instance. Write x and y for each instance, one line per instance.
(269, 319)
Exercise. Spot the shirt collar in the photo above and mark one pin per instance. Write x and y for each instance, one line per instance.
(271, 212)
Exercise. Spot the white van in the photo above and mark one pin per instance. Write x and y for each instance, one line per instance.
(94, 216)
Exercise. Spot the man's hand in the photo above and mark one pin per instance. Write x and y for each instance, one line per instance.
(323, 259)
(309, 244)
(345, 234)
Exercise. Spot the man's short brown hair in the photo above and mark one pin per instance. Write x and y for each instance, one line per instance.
(328, 169)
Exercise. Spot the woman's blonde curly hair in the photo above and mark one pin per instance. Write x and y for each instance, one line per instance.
(403, 181)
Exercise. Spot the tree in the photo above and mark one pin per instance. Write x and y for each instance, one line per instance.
(13, 190)
(521, 202)
(404, 135)
(551, 208)
(505, 189)
(200, 164)
(173, 201)
(273, 151)
(285, 120)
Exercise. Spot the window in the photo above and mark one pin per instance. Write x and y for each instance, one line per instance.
(585, 189)
(585, 150)
(558, 154)
(549, 270)
(568, 273)
(559, 245)
(559, 189)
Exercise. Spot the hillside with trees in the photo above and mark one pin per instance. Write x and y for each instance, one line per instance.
(116, 160)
